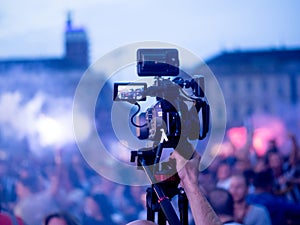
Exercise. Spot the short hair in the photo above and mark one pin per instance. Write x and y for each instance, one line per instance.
(68, 218)
(263, 179)
(141, 222)
(221, 201)
(241, 176)
(103, 202)
(30, 182)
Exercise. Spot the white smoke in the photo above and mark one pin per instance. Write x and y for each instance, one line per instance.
(37, 108)
(43, 120)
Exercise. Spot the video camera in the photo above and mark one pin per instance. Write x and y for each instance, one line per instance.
(171, 122)
(175, 112)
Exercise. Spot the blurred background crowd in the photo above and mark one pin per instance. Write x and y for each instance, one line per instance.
(263, 188)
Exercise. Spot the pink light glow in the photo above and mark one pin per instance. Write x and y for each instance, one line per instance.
(237, 136)
(261, 138)
(265, 128)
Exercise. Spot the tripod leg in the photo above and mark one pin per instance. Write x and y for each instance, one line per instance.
(149, 203)
(163, 200)
(161, 218)
(183, 207)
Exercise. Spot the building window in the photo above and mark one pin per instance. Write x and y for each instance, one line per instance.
(249, 86)
(249, 109)
(233, 87)
(264, 85)
(280, 90)
(235, 111)
(266, 107)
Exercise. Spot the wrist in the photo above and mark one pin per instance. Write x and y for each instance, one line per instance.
(190, 186)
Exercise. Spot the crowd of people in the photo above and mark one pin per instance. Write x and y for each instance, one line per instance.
(264, 191)
(240, 190)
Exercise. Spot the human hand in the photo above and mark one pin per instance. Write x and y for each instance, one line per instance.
(188, 170)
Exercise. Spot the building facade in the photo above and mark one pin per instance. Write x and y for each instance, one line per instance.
(261, 81)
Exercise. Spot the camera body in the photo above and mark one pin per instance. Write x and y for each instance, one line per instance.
(170, 114)
(171, 122)
(157, 62)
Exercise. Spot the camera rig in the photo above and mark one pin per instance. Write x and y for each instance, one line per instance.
(177, 117)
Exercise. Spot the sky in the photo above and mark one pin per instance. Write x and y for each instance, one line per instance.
(33, 28)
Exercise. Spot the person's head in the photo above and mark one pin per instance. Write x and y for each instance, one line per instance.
(57, 221)
(223, 171)
(222, 202)
(264, 180)
(238, 188)
(240, 166)
(97, 205)
(207, 180)
(26, 185)
(261, 165)
(141, 222)
(274, 160)
(60, 218)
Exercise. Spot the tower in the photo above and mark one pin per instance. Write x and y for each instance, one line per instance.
(76, 45)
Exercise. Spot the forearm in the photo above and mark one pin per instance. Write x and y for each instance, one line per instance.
(188, 172)
(202, 211)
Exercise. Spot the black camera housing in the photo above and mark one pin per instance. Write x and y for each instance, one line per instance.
(157, 62)
(170, 114)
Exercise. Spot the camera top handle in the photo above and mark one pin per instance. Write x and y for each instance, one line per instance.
(197, 85)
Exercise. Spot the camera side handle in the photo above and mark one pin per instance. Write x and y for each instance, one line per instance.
(205, 108)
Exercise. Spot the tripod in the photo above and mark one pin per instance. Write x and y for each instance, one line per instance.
(161, 192)
(154, 207)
